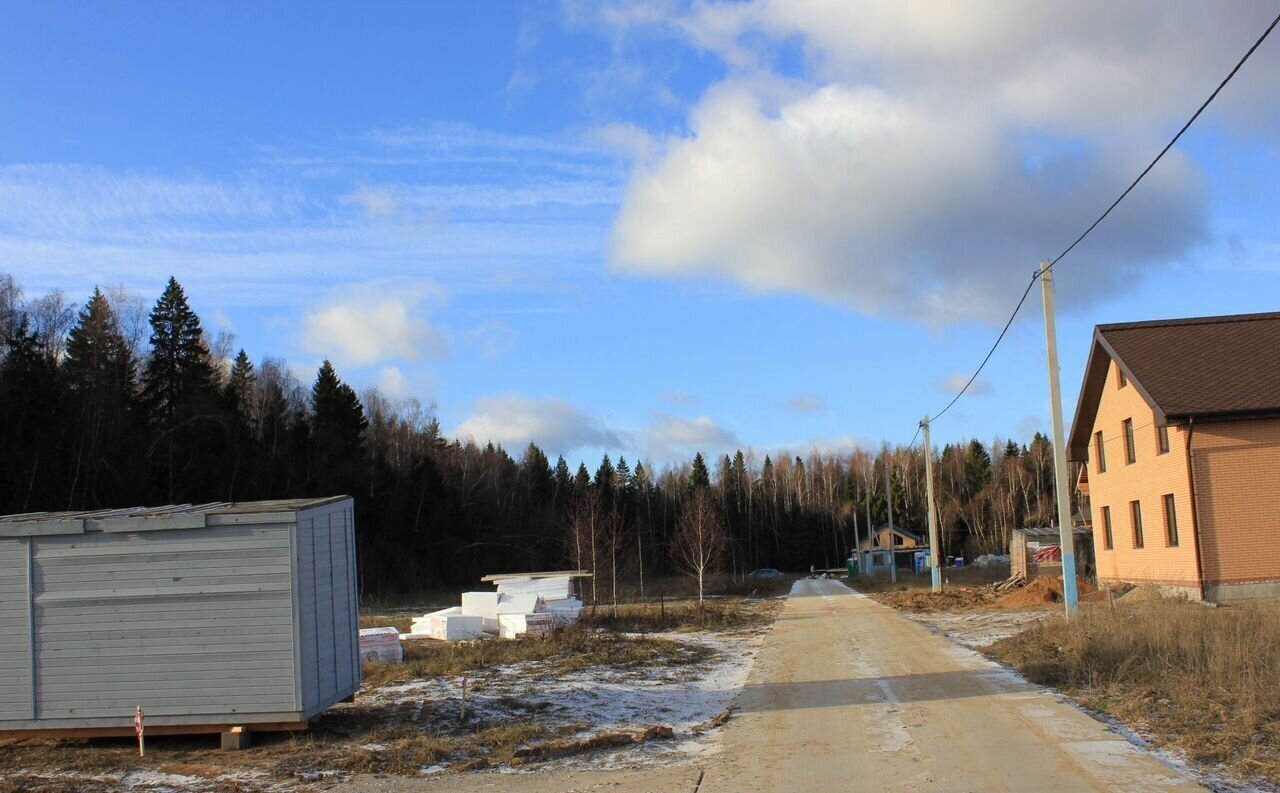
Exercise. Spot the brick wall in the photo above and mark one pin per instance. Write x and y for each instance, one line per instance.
(1146, 480)
(1237, 471)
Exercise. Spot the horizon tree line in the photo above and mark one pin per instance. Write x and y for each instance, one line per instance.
(112, 404)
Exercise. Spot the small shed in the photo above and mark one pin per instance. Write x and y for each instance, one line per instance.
(1036, 551)
(209, 617)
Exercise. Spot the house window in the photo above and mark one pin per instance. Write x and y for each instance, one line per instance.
(1170, 521)
(1102, 457)
(897, 539)
(1130, 454)
(1107, 542)
(1135, 516)
(1162, 439)
(1121, 380)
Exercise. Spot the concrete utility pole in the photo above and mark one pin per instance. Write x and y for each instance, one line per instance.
(934, 546)
(1069, 596)
(888, 499)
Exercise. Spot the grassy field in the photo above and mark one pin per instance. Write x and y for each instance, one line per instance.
(1198, 679)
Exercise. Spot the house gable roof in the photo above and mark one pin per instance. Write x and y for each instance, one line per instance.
(1202, 368)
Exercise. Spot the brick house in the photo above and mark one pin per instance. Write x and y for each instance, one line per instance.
(1178, 423)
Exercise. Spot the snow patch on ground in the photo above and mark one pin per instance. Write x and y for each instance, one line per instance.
(978, 629)
(601, 700)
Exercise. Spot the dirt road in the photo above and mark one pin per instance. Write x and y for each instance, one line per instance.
(848, 695)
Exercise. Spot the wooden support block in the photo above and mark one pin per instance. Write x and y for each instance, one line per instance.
(235, 739)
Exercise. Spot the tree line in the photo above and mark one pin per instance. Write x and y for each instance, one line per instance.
(114, 404)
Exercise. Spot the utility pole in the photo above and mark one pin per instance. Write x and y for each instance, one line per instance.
(1069, 594)
(934, 545)
(888, 499)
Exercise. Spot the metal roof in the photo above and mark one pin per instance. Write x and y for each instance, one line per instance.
(172, 516)
(1202, 368)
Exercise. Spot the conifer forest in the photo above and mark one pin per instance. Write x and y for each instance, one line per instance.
(120, 401)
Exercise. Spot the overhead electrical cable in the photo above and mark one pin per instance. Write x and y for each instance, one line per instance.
(1104, 215)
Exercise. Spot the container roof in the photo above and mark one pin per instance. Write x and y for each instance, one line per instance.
(172, 516)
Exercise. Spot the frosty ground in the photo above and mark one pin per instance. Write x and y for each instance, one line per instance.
(594, 698)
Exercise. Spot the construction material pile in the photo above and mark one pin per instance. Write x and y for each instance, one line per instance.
(381, 645)
(1041, 591)
(531, 604)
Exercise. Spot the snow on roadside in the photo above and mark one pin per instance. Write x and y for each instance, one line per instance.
(977, 629)
(600, 700)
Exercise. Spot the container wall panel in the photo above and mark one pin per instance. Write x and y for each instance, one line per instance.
(330, 614)
(15, 623)
(186, 622)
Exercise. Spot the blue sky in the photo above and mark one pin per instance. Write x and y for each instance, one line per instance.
(647, 227)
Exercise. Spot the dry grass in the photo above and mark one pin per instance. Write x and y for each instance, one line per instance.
(567, 650)
(951, 578)
(1199, 679)
(720, 614)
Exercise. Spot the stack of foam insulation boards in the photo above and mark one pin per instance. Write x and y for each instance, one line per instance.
(449, 625)
(555, 594)
(380, 644)
(526, 604)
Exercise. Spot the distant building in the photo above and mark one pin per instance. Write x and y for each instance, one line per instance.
(898, 543)
(1178, 424)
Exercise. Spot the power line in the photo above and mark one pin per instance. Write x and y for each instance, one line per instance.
(1104, 215)
(1169, 145)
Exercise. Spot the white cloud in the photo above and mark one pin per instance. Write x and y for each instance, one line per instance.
(933, 155)
(559, 427)
(625, 140)
(393, 383)
(373, 324)
(673, 438)
(377, 202)
(680, 398)
(951, 384)
(807, 403)
(513, 420)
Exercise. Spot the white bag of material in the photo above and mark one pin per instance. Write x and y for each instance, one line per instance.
(512, 625)
(566, 611)
(380, 644)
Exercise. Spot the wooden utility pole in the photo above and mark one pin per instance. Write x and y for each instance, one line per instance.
(1070, 597)
(888, 499)
(935, 547)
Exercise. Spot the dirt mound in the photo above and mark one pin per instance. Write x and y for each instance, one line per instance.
(961, 599)
(1040, 592)
(1144, 594)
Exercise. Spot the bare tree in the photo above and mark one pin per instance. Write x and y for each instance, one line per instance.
(584, 528)
(699, 541)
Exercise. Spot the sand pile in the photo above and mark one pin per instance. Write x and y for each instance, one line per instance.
(1145, 594)
(1042, 591)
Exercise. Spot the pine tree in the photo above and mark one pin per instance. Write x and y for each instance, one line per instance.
(564, 482)
(604, 475)
(182, 402)
(99, 373)
(240, 387)
(179, 374)
(977, 467)
(699, 476)
(338, 421)
(30, 400)
(582, 481)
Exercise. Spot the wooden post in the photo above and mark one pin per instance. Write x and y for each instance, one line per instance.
(138, 727)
